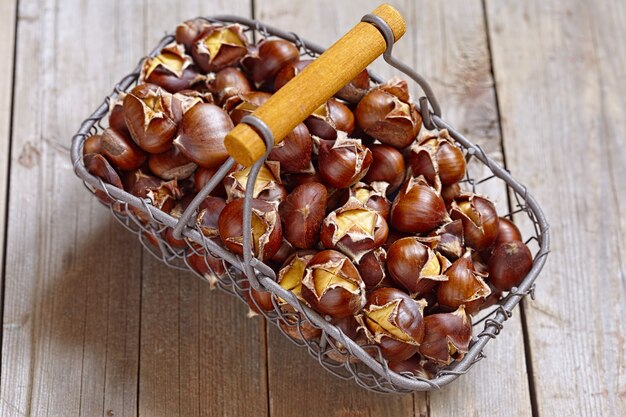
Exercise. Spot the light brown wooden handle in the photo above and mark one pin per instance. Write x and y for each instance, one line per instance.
(318, 82)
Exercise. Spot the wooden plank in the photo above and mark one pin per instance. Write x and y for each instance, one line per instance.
(298, 385)
(452, 52)
(200, 354)
(560, 72)
(70, 344)
(7, 46)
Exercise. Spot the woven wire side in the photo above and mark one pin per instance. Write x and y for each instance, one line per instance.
(333, 350)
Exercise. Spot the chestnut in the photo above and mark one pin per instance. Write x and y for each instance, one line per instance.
(415, 266)
(449, 193)
(507, 232)
(97, 165)
(510, 262)
(244, 104)
(294, 151)
(330, 117)
(218, 47)
(284, 252)
(372, 197)
(208, 266)
(451, 242)
(171, 164)
(437, 158)
(414, 365)
(372, 268)
(354, 229)
(208, 216)
(297, 327)
(187, 33)
(116, 116)
(258, 300)
(332, 285)
(172, 69)
(160, 194)
(387, 167)
(289, 71)
(266, 229)
(464, 286)
(201, 135)
(267, 186)
(92, 144)
(386, 114)
(343, 163)
(178, 210)
(203, 175)
(291, 273)
(152, 116)
(446, 336)
(268, 58)
(394, 321)
(302, 214)
(228, 83)
(418, 208)
(479, 217)
(121, 151)
(356, 89)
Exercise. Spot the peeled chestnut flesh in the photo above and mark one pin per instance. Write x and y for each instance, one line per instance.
(291, 273)
(509, 263)
(266, 228)
(302, 214)
(332, 285)
(394, 321)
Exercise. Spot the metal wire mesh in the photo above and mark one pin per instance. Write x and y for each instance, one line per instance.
(333, 350)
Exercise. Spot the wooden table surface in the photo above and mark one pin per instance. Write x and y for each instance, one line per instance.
(94, 326)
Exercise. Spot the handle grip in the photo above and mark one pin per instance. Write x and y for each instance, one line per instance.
(318, 82)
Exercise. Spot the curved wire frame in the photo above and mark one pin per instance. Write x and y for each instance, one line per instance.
(220, 268)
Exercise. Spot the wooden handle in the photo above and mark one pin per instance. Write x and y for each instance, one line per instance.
(318, 82)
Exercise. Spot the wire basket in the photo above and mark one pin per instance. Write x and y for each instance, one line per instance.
(333, 350)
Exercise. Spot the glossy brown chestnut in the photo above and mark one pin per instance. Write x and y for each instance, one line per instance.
(507, 232)
(92, 144)
(270, 56)
(187, 33)
(228, 83)
(387, 167)
(354, 230)
(97, 165)
(437, 158)
(171, 164)
(244, 104)
(372, 197)
(446, 336)
(208, 215)
(464, 286)
(266, 229)
(394, 321)
(451, 242)
(218, 47)
(332, 285)
(289, 71)
(330, 117)
(176, 212)
(152, 116)
(415, 266)
(172, 69)
(116, 116)
(294, 151)
(385, 114)
(449, 193)
(160, 194)
(258, 301)
(418, 208)
(203, 175)
(284, 252)
(267, 186)
(343, 163)
(121, 151)
(372, 268)
(356, 89)
(510, 262)
(302, 214)
(201, 135)
(480, 220)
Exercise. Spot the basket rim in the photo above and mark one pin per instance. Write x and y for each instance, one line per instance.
(399, 382)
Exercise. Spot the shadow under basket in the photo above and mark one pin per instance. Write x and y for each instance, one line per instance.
(333, 350)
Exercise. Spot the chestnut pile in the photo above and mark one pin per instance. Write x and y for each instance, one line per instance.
(359, 210)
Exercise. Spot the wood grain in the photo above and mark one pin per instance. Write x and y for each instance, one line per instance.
(71, 313)
(7, 46)
(560, 69)
(200, 354)
(452, 52)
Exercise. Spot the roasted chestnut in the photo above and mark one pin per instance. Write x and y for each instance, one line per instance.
(289, 71)
(370, 196)
(446, 336)
(229, 82)
(266, 229)
(92, 144)
(171, 164)
(187, 33)
(332, 285)
(437, 158)
(208, 266)
(201, 135)
(302, 214)
(330, 117)
(510, 262)
(267, 186)
(245, 104)
(480, 220)
(203, 175)
(394, 321)
(418, 208)
(343, 163)
(464, 286)
(451, 242)
(372, 268)
(269, 57)
(386, 114)
(121, 151)
(218, 47)
(171, 69)
(294, 151)
(415, 265)
(507, 232)
(387, 167)
(291, 273)
(97, 165)
(208, 215)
